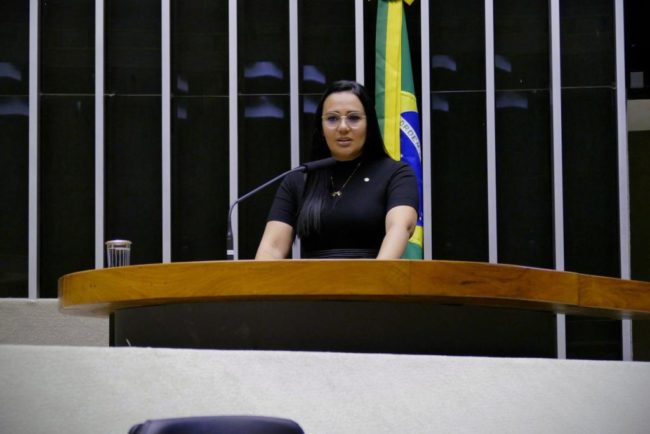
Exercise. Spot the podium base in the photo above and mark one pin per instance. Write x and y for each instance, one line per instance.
(339, 326)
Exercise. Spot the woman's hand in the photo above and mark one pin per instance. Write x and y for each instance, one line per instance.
(276, 241)
(400, 224)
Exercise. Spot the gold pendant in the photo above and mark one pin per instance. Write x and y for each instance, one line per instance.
(337, 194)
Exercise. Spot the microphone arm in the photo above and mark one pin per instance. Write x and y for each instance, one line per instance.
(306, 167)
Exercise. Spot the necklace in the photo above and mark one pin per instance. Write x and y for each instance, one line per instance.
(339, 192)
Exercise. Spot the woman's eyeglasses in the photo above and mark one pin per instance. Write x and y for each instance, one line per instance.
(352, 120)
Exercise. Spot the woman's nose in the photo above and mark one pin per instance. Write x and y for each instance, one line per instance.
(343, 124)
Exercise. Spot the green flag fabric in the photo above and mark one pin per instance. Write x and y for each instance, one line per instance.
(395, 100)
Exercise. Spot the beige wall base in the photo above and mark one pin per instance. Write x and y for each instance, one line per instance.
(49, 389)
(39, 322)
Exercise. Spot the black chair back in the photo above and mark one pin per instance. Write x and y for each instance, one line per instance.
(218, 425)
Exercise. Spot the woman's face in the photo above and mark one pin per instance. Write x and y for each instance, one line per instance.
(344, 125)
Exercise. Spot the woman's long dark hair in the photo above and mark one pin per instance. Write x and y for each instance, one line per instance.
(316, 188)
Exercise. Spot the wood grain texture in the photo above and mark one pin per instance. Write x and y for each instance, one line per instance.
(99, 292)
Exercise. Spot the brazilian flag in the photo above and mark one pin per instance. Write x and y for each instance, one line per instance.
(395, 99)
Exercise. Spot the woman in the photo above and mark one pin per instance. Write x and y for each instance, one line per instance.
(363, 207)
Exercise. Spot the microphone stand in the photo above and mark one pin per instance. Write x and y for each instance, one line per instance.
(230, 250)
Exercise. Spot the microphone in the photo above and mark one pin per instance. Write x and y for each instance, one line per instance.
(318, 164)
(305, 167)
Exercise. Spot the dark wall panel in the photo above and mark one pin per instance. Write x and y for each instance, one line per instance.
(68, 47)
(521, 44)
(326, 42)
(14, 147)
(263, 44)
(14, 47)
(457, 44)
(67, 189)
(133, 51)
(458, 131)
(199, 47)
(264, 118)
(590, 167)
(264, 152)
(639, 156)
(523, 133)
(14, 193)
(200, 129)
(590, 181)
(200, 189)
(587, 43)
(133, 183)
(524, 179)
(459, 176)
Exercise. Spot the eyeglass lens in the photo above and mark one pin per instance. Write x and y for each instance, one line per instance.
(352, 119)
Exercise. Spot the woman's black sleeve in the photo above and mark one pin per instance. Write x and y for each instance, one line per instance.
(286, 204)
(403, 188)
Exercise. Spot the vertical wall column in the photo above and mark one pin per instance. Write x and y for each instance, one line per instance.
(359, 41)
(99, 133)
(490, 131)
(32, 267)
(294, 96)
(233, 106)
(294, 77)
(558, 185)
(623, 174)
(425, 117)
(166, 171)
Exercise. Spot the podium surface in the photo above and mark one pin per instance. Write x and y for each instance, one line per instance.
(103, 291)
(402, 306)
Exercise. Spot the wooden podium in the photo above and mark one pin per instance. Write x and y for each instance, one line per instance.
(420, 307)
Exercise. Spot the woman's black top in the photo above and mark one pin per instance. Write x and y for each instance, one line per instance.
(352, 224)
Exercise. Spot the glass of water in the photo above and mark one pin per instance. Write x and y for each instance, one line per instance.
(118, 253)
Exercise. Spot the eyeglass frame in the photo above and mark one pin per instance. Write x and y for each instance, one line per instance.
(341, 118)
